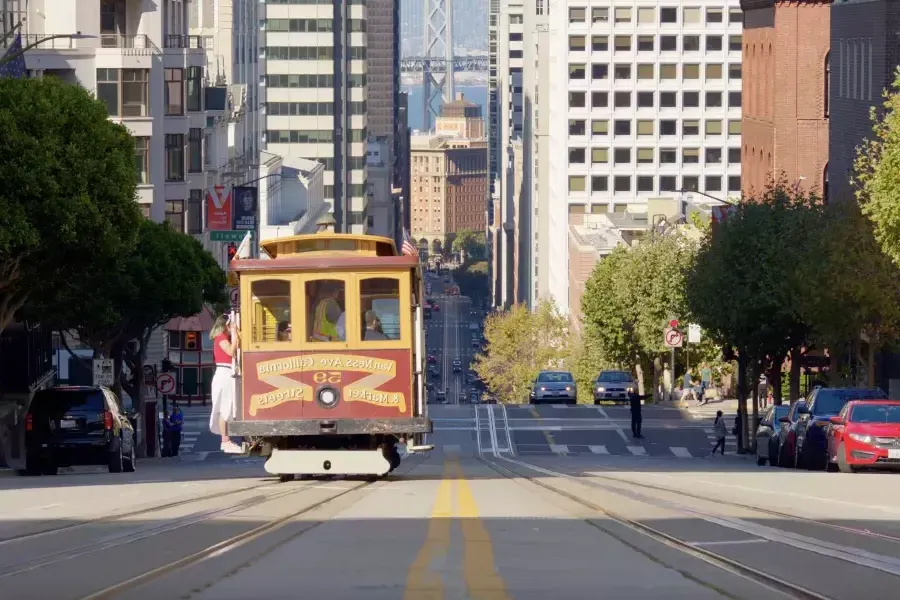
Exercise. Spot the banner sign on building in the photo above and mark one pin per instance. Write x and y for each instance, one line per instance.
(219, 208)
(245, 209)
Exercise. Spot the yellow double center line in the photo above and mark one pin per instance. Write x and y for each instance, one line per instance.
(478, 569)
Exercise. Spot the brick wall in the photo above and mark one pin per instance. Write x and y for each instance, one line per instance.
(785, 128)
(858, 31)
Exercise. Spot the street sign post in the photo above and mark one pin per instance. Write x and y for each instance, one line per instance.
(227, 236)
(235, 295)
(673, 338)
(104, 372)
(165, 383)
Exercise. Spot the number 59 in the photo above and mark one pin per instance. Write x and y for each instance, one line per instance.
(327, 377)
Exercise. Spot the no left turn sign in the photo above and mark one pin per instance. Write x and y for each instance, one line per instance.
(673, 338)
(165, 383)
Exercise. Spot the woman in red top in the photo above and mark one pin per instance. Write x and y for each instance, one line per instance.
(223, 404)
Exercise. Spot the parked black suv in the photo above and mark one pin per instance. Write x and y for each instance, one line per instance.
(78, 425)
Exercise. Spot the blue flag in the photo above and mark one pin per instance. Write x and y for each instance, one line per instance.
(14, 68)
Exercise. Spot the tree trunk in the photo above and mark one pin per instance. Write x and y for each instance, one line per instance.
(657, 375)
(742, 401)
(639, 371)
(751, 429)
(796, 357)
(774, 376)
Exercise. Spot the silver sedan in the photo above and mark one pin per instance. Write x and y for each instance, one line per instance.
(554, 387)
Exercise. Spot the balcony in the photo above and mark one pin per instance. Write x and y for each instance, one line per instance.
(197, 43)
(133, 44)
(55, 44)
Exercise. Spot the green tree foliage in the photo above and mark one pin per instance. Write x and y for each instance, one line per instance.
(167, 274)
(585, 360)
(469, 244)
(751, 271)
(67, 189)
(631, 295)
(877, 172)
(472, 279)
(520, 344)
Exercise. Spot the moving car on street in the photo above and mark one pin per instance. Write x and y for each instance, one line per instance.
(457, 365)
(613, 385)
(77, 425)
(865, 434)
(554, 387)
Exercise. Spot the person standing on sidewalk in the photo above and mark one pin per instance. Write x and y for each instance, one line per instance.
(176, 422)
(720, 431)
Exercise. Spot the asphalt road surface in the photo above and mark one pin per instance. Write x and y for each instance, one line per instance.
(486, 525)
(449, 337)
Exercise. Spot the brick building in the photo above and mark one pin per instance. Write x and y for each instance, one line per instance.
(785, 93)
(865, 53)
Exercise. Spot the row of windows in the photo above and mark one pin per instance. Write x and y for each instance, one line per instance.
(311, 25)
(314, 2)
(646, 15)
(578, 99)
(645, 156)
(648, 43)
(301, 109)
(310, 53)
(311, 81)
(271, 320)
(354, 190)
(648, 184)
(126, 92)
(648, 71)
(663, 127)
(309, 136)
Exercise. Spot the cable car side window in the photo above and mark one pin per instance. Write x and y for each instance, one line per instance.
(379, 302)
(326, 306)
(271, 311)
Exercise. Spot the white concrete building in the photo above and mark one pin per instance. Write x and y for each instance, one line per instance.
(382, 204)
(505, 124)
(291, 197)
(315, 95)
(646, 103)
(141, 62)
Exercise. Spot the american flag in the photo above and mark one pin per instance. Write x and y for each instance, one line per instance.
(13, 68)
(409, 247)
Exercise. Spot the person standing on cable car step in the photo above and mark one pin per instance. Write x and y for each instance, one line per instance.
(224, 407)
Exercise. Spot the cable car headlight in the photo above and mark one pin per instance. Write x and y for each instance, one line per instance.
(327, 397)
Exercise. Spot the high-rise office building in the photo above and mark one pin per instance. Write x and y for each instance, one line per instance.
(315, 95)
(646, 103)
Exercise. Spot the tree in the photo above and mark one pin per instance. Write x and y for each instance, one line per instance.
(115, 310)
(472, 279)
(585, 360)
(629, 298)
(520, 344)
(67, 189)
(469, 244)
(877, 172)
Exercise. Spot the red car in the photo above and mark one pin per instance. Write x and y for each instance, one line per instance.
(865, 434)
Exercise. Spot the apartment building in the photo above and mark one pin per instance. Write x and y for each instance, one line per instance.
(863, 59)
(649, 105)
(315, 93)
(786, 79)
(150, 74)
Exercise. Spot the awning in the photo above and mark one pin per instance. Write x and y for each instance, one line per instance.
(202, 321)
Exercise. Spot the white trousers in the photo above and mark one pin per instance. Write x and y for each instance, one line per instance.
(223, 404)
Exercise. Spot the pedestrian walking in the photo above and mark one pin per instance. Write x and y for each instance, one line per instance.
(176, 422)
(705, 382)
(720, 431)
(223, 402)
(636, 417)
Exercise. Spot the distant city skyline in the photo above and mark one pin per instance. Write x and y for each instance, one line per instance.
(468, 33)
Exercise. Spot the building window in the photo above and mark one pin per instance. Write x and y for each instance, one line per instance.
(195, 151)
(668, 15)
(577, 15)
(645, 156)
(713, 72)
(734, 156)
(668, 100)
(691, 127)
(690, 15)
(576, 43)
(667, 156)
(195, 212)
(667, 183)
(714, 43)
(645, 184)
(175, 157)
(645, 43)
(576, 183)
(576, 127)
(599, 183)
(713, 99)
(599, 127)
(599, 43)
(622, 99)
(645, 99)
(622, 43)
(600, 99)
(735, 16)
(712, 183)
(734, 43)
(734, 183)
(734, 127)
(690, 99)
(175, 214)
(713, 156)
(599, 156)
(142, 159)
(622, 127)
(713, 127)
(577, 99)
(576, 72)
(714, 15)
(690, 43)
(668, 43)
(600, 15)
(734, 99)
(645, 127)
(623, 15)
(690, 183)
(599, 71)
(645, 71)
(622, 156)
(690, 156)
(125, 92)
(622, 72)
(668, 72)
(577, 156)
(194, 89)
(622, 183)
(734, 71)
(827, 81)
(174, 92)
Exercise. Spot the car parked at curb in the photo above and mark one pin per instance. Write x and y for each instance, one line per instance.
(866, 434)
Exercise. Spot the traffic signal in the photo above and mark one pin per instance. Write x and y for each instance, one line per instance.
(232, 251)
(190, 340)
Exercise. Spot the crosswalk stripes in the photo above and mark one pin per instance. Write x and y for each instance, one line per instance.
(559, 448)
(680, 452)
(598, 449)
(637, 450)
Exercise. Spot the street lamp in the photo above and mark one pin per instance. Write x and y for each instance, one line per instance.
(10, 56)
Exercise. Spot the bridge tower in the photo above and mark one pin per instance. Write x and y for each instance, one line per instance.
(438, 39)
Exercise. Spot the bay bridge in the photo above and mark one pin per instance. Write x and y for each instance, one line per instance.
(461, 64)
